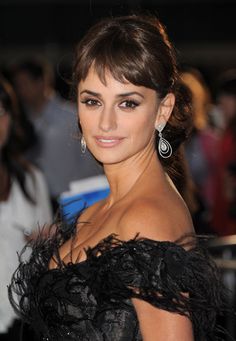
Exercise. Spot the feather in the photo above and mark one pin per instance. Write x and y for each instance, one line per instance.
(92, 299)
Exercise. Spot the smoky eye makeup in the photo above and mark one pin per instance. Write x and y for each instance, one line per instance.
(90, 102)
(129, 104)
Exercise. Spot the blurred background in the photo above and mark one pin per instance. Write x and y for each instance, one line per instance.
(203, 31)
(39, 136)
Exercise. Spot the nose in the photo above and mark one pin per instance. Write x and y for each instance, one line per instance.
(107, 120)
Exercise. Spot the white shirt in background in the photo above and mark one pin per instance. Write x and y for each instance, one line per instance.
(18, 216)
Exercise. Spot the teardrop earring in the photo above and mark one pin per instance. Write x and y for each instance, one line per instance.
(83, 144)
(164, 147)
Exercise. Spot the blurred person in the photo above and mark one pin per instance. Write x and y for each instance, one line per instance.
(201, 148)
(224, 214)
(24, 202)
(54, 120)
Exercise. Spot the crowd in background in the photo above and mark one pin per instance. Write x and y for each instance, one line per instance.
(40, 155)
(211, 152)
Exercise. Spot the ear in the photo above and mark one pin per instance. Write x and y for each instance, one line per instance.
(165, 109)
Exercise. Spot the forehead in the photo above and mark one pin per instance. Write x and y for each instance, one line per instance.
(105, 77)
(109, 84)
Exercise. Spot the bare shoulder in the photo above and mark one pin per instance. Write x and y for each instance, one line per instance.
(90, 211)
(155, 219)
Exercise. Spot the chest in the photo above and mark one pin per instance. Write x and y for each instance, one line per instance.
(91, 227)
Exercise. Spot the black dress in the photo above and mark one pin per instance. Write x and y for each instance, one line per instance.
(91, 300)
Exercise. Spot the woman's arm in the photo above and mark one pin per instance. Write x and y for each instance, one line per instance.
(152, 221)
(161, 325)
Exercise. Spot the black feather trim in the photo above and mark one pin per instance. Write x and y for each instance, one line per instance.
(68, 302)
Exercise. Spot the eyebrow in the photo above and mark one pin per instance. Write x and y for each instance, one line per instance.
(96, 94)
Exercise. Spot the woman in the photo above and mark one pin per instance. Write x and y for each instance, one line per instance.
(24, 202)
(120, 273)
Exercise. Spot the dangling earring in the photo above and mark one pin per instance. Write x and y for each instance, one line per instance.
(83, 144)
(164, 147)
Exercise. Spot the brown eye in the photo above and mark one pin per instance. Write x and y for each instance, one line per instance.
(91, 102)
(129, 104)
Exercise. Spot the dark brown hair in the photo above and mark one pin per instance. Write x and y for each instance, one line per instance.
(137, 49)
(12, 151)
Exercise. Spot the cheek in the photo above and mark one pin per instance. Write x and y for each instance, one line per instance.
(87, 122)
(144, 128)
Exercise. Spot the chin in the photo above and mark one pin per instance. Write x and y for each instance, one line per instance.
(108, 157)
(109, 160)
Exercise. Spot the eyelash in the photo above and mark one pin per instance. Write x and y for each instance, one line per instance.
(90, 102)
(130, 104)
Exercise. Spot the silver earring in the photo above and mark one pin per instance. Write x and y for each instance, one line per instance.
(164, 147)
(83, 144)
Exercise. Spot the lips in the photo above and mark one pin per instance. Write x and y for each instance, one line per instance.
(108, 141)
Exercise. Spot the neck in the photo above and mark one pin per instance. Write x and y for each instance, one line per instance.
(124, 176)
(37, 105)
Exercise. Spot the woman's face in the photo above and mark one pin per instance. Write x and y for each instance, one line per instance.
(4, 126)
(117, 119)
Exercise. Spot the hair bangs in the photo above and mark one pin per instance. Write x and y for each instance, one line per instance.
(126, 62)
